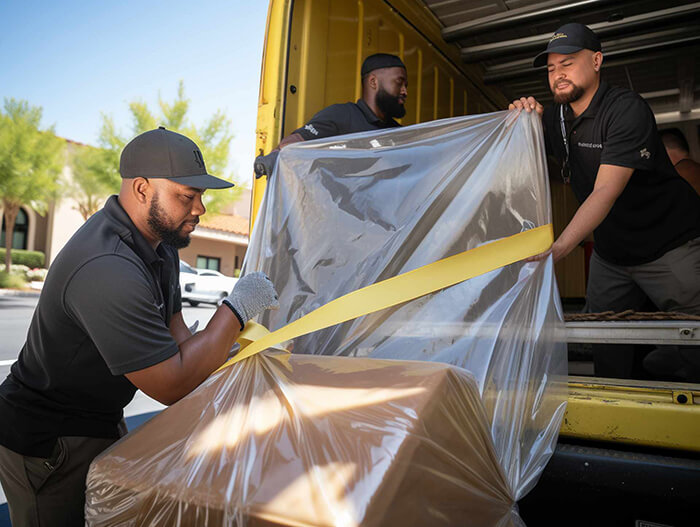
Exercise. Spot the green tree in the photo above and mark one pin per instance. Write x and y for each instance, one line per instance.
(31, 161)
(94, 177)
(213, 138)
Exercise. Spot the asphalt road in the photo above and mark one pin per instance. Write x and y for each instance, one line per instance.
(15, 316)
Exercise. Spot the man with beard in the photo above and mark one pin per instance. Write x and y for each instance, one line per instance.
(384, 92)
(644, 216)
(108, 322)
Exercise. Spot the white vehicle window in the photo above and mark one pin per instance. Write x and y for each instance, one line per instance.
(184, 268)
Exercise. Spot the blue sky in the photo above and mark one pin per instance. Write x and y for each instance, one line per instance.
(78, 59)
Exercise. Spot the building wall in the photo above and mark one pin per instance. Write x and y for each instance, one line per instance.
(64, 220)
(214, 248)
(241, 207)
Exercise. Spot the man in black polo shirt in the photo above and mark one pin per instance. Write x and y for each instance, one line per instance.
(109, 322)
(384, 85)
(645, 217)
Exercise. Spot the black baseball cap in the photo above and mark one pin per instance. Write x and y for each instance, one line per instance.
(569, 38)
(379, 61)
(161, 153)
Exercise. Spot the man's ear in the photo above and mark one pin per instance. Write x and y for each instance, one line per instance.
(372, 81)
(141, 190)
(597, 60)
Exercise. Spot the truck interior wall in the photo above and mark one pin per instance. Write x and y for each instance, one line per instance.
(571, 271)
(329, 39)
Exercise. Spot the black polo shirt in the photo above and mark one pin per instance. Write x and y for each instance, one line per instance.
(658, 210)
(104, 311)
(339, 119)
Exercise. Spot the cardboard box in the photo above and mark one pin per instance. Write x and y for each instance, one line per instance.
(309, 440)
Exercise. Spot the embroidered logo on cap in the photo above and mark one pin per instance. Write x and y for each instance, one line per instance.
(199, 159)
(558, 35)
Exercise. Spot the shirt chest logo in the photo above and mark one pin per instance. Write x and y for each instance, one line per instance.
(645, 153)
(311, 129)
(599, 146)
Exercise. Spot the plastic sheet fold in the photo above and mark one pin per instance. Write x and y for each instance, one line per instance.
(452, 430)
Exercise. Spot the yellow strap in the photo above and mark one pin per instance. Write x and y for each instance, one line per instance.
(252, 332)
(399, 289)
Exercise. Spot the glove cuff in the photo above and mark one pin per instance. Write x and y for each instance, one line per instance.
(240, 319)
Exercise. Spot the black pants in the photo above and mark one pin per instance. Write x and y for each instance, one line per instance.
(48, 492)
(672, 283)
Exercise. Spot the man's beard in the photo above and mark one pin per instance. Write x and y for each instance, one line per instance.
(566, 98)
(156, 220)
(389, 105)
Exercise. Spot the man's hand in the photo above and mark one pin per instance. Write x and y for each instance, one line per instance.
(202, 353)
(557, 250)
(253, 294)
(528, 104)
(265, 164)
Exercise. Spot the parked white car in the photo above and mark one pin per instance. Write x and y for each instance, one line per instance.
(204, 286)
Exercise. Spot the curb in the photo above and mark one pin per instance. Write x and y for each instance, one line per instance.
(16, 292)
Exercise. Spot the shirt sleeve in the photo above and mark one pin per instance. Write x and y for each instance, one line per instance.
(325, 123)
(629, 134)
(115, 304)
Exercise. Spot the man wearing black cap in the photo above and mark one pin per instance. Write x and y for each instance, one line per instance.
(109, 322)
(384, 92)
(645, 217)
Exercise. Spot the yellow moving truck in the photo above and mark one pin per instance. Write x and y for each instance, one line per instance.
(629, 450)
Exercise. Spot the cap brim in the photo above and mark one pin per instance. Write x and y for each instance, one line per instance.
(541, 59)
(202, 181)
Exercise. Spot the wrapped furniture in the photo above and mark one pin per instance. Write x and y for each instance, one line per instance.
(442, 410)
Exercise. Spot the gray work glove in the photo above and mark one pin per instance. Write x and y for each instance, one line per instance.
(252, 294)
(264, 165)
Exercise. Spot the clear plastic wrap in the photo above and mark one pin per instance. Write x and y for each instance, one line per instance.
(353, 440)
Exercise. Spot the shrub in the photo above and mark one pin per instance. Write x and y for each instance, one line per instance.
(11, 281)
(236, 273)
(36, 274)
(19, 270)
(29, 274)
(31, 259)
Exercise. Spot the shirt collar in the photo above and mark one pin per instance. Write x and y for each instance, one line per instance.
(371, 116)
(129, 233)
